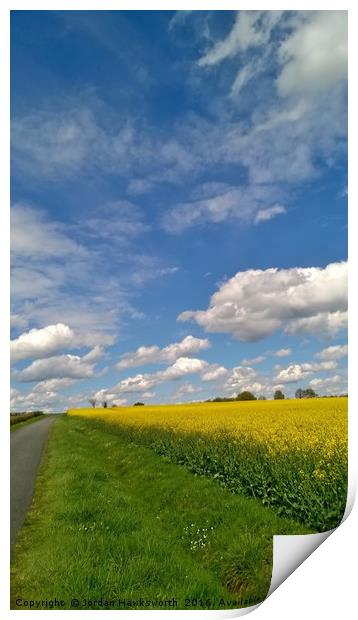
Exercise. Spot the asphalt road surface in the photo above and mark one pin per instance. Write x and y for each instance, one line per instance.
(26, 448)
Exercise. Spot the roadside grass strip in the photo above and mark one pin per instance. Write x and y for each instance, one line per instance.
(30, 420)
(115, 525)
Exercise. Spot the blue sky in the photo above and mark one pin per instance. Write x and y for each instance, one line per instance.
(179, 199)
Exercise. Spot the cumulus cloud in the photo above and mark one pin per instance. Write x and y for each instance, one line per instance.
(61, 367)
(314, 56)
(144, 382)
(334, 352)
(214, 372)
(283, 352)
(42, 342)
(256, 303)
(181, 367)
(330, 385)
(49, 395)
(154, 354)
(239, 376)
(328, 324)
(296, 372)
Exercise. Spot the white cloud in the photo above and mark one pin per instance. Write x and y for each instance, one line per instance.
(214, 372)
(314, 56)
(296, 372)
(335, 352)
(44, 396)
(245, 74)
(32, 401)
(254, 360)
(181, 367)
(55, 279)
(42, 342)
(256, 303)
(58, 142)
(224, 202)
(153, 354)
(32, 234)
(52, 385)
(256, 388)
(143, 382)
(120, 220)
(17, 321)
(330, 385)
(61, 367)
(328, 324)
(179, 18)
(238, 377)
(264, 215)
(186, 389)
(283, 352)
(251, 29)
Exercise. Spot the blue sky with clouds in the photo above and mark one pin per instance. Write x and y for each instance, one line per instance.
(179, 197)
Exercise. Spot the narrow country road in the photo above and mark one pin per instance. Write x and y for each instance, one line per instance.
(26, 448)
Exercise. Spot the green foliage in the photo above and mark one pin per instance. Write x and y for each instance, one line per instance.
(289, 482)
(278, 395)
(307, 393)
(246, 395)
(23, 417)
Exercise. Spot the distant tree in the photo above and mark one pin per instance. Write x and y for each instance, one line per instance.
(261, 397)
(104, 404)
(306, 393)
(138, 404)
(309, 393)
(278, 395)
(92, 401)
(246, 395)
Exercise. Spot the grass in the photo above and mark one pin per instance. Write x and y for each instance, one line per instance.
(31, 420)
(112, 521)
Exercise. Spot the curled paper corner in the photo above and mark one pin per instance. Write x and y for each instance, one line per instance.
(290, 551)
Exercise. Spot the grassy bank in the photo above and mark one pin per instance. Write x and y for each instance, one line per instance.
(111, 520)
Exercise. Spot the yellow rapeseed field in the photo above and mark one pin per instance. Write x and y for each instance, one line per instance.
(290, 454)
(281, 425)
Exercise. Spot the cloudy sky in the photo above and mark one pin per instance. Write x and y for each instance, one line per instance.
(179, 195)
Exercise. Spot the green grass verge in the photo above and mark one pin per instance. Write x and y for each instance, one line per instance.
(15, 427)
(112, 521)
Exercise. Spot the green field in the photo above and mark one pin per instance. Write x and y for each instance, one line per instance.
(114, 521)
